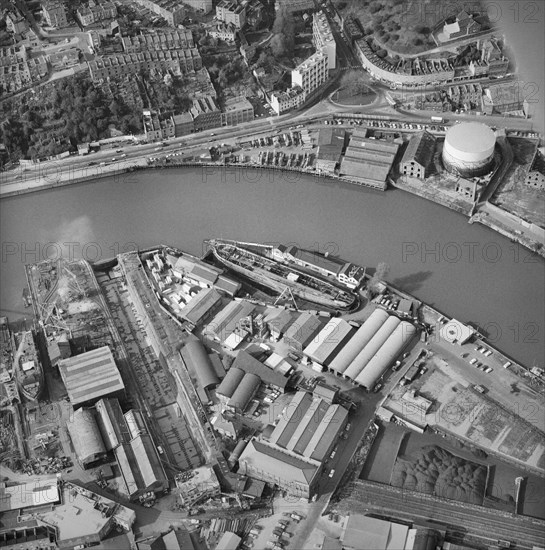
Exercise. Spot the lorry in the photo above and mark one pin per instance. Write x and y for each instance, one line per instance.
(437, 119)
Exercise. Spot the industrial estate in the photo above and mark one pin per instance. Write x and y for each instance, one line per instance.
(263, 395)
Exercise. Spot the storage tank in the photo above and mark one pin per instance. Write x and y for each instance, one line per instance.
(469, 149)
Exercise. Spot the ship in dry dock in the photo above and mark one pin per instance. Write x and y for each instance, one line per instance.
(260, 263)
(28, 369)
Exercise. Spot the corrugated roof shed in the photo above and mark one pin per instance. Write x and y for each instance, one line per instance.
(281, 321)
(329, 341)
(420, 149)
(111, 422)
(230, 383)
(303, 329)
(245, 362)
(325, 392)
(128, 465)
(227, 285)
(245, 391)
(196, 360)
(260, 456)
(224, 323)
(330, 144)
(201, 305)
(218, 365)
(86, 436)
(367, 158)
(148, 462)
(90, 375)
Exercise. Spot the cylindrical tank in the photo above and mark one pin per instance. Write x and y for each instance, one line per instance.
(469, 149)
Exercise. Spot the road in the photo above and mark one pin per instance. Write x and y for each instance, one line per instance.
(463, 522)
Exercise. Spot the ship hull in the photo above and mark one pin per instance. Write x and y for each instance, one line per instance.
(29, 383)
(252, 265)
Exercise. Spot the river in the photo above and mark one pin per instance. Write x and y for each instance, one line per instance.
(464, 270)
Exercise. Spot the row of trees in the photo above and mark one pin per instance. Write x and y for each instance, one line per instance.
(283, 40)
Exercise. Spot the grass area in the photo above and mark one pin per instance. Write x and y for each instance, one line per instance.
(436, 471)
(402, 26)
(347, 97)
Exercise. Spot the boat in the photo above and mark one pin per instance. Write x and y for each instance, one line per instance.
(29, 373)
(27, 300)
(257, 262)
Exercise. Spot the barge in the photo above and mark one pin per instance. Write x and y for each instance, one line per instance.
(258, 263)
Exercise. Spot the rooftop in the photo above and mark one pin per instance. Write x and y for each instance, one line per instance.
(90, 375)
(26, 495)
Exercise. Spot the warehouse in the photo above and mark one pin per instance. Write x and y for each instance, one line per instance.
(112, 423)
(418, 156)
(128, 464)
(86, 437)
(202, 306)
(153, 475)
(279, 323)
(225, 322)
(329, 341)
(349, 352)
(330, 147)
(90, 376)
(367, 160)
(245, 362)
(372, 347)
(385, 356)
(244, 393)
(302, 330)
(229, 384)
(198, 363)
(302, 439)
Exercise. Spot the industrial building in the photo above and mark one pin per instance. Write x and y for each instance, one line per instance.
(58, 515)
(373, 348)
(244, 392)
(330, 148)
(111, 422)
(198, 363)
(248, 364)
(329, 341)
(90, 376)
(201, 307)
(321, 263)
(304, 436)
(279, 322)
(225, 322)
(229, 541)
(368, 161)
(469, 149)
(237, 110)
(418, 156)
(302, 330)
(197, 485)
(229, 384)
(86, 437)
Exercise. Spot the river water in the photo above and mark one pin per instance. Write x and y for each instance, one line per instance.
(464, 270)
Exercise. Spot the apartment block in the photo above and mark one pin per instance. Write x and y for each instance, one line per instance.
(206, 113)
(172, 11)
(169, 40)
(55, 13)
(285, 101)
(231, 11)
(95, 12)
(312, 73)
(324, 39)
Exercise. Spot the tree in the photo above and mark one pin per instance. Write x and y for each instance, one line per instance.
(353, 83)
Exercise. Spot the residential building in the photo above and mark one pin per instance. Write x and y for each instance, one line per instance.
(292, 6)
(324, 39)
(153, 61)
(96, 11)
(352, 29)
(204, 6)
(55, 13)
(18, 72)
(157, 129)
(467, 96)
(417, 159)
(462, 25)
(16, 23)
(311, 73)
(179, 39)
(223, 31)
(172, 11)
(237, 110)
(285, 101)
(247, 51)
(330, 148)
(231, 11)
(504, 97)
(206, 113)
